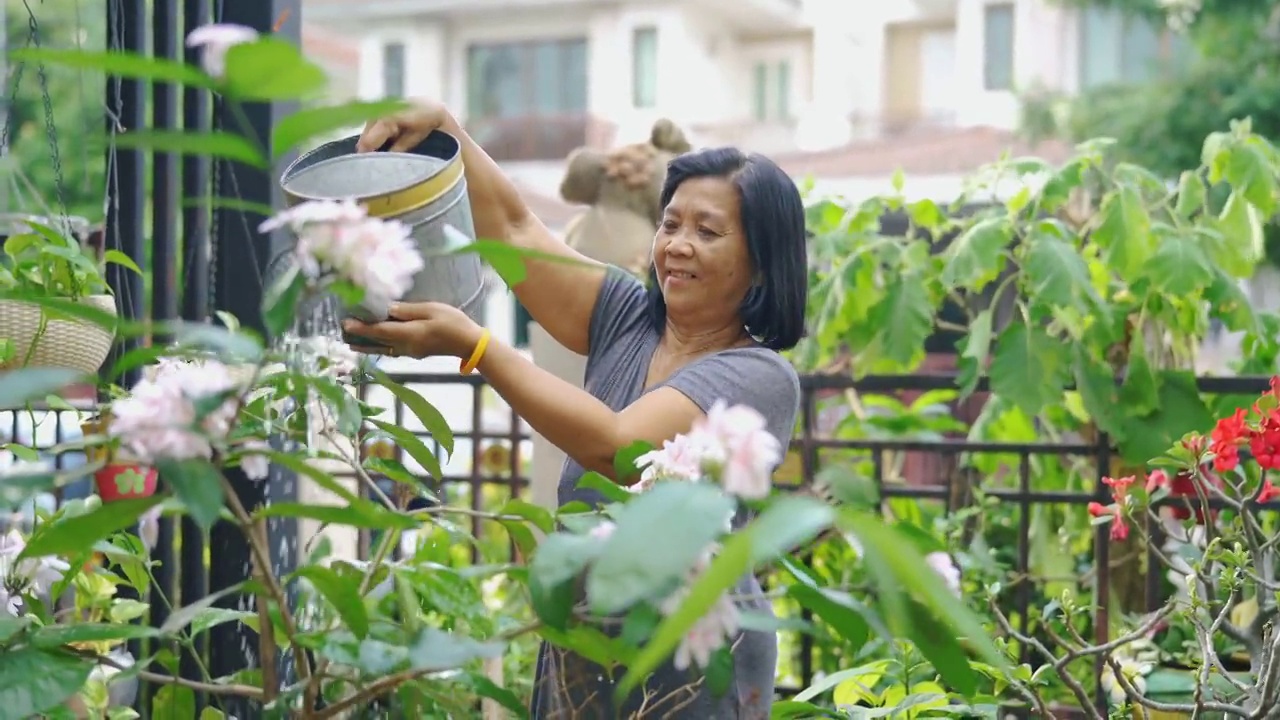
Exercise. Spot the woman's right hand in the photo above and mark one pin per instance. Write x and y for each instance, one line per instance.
(405, 130)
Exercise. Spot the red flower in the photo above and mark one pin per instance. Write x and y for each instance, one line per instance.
(1119, 529)
(1157, 479)
(1264, 443)
(1226, 439)
(1268, 493)
(1119, 487)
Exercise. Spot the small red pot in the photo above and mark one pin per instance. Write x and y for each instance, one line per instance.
(124, 481)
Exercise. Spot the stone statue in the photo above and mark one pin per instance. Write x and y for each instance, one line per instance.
(623, 188)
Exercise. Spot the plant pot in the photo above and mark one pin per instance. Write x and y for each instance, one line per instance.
(66, 342)
(125, 481)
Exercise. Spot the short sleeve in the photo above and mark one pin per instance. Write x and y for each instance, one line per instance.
(756, 377)
(619, 310)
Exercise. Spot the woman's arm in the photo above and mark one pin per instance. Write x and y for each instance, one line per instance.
(559, 293)
(577, 423)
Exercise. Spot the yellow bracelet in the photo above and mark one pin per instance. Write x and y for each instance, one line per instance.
(483, 344)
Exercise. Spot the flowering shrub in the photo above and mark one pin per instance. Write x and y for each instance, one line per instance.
(1203, 514)
(336, 634)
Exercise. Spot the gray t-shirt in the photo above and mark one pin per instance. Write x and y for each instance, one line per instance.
(621, 342)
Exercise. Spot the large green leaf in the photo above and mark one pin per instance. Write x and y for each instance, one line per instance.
(432, 419)
(904, 317)
(1181, 410)
(213, 143)
(976, 347)
(637, 563)
(116, 64)
(724, 572)
(787, 523)
(304, 125)
(1029, 368)
(198, 484)
(36, 681)
(1098, 391)
(280, 302)
(1230, 304)
(1240, 232)
(1056, 275)
(19, 387)
(895, 562)
(270, 69)
(1180, 266)
(1125, 231)
(1249, 171)
(411, 444)
(53, 637)
(973, 258)
(342, 594)
(77, 535)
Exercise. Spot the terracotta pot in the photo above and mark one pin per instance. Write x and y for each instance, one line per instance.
(125, 481)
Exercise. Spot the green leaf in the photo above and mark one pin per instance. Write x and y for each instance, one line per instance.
(1181, 410)
(431, 418)
(212, 143)
(116, 64)
(1250, 172)
(1029, 368)
(624, 461)
(118, 258)
(19, 387)
(342, 594)
(1098, 391)
(786, 524)
(608, 489)
(299, 466)
(77, 535)
(55, 636)
(35, 681)
(280, 303)
(226, 343)
(198, 485)
(1180, 265)
(974, 258)
(1056, 275)
(486, 688)
(304, 125)
(1191, 194)
(904, 317)
(270, 69)
(412, 445)
(1125, 231)
(973, 356)
(635, 562)
(723, 573)
(1228, 303)
(1241, 232)
(360, 513)
(528, 514)
(172, 702)
(895, 563)
(187, 614)
(509, 261)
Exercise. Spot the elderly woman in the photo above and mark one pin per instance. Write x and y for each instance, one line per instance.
(726, 293)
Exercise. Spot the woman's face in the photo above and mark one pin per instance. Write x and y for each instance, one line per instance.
(700, 252)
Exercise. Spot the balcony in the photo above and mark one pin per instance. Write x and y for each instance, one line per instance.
(760, 17)
(529, 138)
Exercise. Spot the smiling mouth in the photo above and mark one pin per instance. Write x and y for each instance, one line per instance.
(681, 275)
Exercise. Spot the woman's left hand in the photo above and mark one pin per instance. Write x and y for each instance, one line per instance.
(418, 330)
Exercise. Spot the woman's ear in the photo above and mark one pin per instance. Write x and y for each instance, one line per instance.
(583, 177)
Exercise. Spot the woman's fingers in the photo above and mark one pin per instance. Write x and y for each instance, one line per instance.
(376, 134)
(410, 311)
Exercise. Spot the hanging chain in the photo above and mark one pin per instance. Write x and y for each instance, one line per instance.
(33, 40)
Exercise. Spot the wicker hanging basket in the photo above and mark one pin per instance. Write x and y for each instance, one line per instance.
(40, 341)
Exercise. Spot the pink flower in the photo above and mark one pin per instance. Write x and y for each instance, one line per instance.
(942, 564)
(603, 531)
(711, 631)
(253, 463)
(217, 39)
(751, 452)
(149, 527)
(378, 256)
(158, 419)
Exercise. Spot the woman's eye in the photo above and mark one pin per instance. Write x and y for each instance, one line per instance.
(669, 225)
(707, 232)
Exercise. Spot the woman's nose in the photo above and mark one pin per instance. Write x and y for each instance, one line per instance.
(680, 246)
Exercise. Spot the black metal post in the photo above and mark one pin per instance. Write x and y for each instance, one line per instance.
(241, 256)
(196, 302)
(126, 176)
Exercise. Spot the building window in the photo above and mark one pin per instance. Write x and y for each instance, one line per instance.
(511, 80)
(771, 91)
(644, 67)
(1120, 48)
(393, 70)
(997, 47)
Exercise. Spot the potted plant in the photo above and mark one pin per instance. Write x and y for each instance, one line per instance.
(119, 477)
(40, 264)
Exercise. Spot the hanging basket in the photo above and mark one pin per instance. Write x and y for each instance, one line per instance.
(41, 341)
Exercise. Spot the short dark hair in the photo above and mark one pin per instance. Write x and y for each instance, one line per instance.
(772, 218)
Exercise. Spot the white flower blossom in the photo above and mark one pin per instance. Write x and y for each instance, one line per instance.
(158, 419)
(32, 575)
(717, 627)
(732, 443)
(338, 237)
(217, 39)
